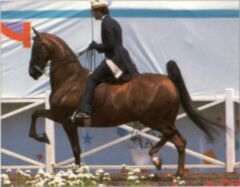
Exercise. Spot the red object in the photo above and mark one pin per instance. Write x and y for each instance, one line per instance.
(23, 37)
(39, 156)
(210, 184)
(225, 182)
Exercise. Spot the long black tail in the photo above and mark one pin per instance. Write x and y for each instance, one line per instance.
(204, 124)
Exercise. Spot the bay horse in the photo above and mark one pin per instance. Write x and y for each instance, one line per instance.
(151, 99)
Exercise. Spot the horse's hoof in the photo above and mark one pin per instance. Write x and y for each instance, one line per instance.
(32, 135)
(179, 175)
(179, 180)
(157, 162)
(43, 138)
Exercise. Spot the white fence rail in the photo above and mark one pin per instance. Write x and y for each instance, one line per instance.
(230, 164)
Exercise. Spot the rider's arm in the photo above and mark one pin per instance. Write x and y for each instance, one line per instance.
(109, 41)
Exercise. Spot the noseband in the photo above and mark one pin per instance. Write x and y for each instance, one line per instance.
(41, 71)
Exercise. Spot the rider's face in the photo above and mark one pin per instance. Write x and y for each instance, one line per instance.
(97, 14)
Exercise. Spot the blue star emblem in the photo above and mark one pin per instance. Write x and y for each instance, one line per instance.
(87, 139)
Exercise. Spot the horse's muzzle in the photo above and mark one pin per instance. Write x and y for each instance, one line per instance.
(34, 74)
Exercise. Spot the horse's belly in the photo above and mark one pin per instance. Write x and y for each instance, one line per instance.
(110, 117)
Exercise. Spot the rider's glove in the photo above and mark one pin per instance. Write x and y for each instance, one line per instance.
(93, 45)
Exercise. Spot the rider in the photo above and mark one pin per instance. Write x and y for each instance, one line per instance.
(117, 63)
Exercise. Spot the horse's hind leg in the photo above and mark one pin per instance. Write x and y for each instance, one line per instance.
(180, 144)
(168, 132)
(156, 160)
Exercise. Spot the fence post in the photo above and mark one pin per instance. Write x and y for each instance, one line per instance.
(49, 148)
(230, 135)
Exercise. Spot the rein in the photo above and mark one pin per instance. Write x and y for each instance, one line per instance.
(51, 72)
(89, 62)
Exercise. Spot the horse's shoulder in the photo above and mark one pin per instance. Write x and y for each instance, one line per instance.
(68, 92)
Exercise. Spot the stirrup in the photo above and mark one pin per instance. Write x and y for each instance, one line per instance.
(82, 115)
(73, 117)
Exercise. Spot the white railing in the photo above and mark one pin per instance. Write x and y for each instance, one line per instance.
(50, 163)
(230, 136)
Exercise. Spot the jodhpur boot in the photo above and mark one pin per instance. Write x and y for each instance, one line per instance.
(78, 115)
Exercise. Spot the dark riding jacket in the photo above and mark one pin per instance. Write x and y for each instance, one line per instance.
(112, 46)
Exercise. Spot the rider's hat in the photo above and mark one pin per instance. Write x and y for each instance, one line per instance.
(99, 3)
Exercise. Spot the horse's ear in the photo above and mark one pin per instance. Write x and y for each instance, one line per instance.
(36, 32)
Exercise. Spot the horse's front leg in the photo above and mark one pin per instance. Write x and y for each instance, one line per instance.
(72, 133)
(32, 133)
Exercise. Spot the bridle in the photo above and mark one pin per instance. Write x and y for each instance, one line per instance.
(44, 71)
(90, 60)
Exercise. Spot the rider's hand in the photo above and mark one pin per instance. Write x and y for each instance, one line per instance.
(92, 45)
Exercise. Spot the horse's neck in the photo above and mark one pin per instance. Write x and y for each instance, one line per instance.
(64, 64)
(63, 68)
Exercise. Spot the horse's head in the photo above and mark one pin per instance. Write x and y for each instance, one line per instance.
(40, 55)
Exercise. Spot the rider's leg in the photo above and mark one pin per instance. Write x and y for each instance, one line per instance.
(100, 73)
